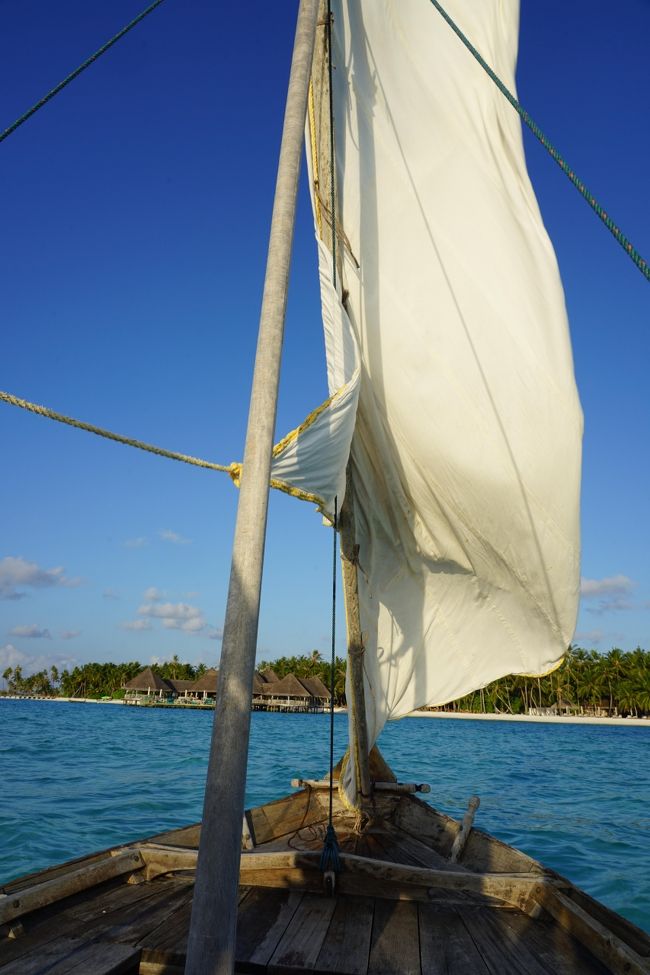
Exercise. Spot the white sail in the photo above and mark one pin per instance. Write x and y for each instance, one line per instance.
(466, 450)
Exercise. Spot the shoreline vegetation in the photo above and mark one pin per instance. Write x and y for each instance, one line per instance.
(608, 688)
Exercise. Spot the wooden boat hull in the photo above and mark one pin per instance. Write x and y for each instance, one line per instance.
(399, 906)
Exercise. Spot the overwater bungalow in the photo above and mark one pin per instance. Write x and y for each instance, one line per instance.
(287, 694)
(148, 687)
(317, 689)
(203, 690)
(270, 693)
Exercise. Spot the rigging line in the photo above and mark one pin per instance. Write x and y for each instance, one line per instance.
(128, 441)
(537, 132)
(77, 71)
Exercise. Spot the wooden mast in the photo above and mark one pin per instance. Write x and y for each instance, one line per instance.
(322, 135)
(211, 946)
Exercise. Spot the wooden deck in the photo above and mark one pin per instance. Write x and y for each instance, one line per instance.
(289, 924)
(145, 927)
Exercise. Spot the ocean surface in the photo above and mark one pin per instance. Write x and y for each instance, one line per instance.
(81, 777)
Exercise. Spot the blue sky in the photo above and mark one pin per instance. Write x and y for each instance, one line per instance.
(135, 211)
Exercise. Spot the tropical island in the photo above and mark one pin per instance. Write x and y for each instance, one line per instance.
(586, 683)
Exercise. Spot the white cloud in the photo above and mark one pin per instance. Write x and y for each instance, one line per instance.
(168, 535)
(153, 594)
(187, 626)
(111, 594)
(589, 636)
(136, 625)
(611, 594)
(32, 631)
(136, 542)
(10, 656)
(180, 611)
(70, 634)
(611, 586)
(17, 573)
(176, 616)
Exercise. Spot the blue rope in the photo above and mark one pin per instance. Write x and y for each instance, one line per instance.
(77, 72)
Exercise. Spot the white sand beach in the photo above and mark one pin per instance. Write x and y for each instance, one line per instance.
(540, 719)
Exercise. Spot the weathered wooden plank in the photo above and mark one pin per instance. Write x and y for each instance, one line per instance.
(19, 903)
(70, 956)
(556, 950)
(482, 853)
(420, 820)
(486, 853)
(502, 954)
(615, 954)
(285, 816)
(414, 850)
(262, 921)
(188, 836)
(346, 948)
(395, 943)
(140, 921)
(303, 939)
(446, 946)
(94, 914)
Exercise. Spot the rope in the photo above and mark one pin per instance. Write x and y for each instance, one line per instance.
(77, 72)
(80, 425)
(537, 132)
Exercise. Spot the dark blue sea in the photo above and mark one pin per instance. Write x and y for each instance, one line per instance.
(81, 777)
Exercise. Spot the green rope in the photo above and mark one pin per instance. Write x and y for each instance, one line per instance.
(80, 425)
(77, 72)
(566, 169)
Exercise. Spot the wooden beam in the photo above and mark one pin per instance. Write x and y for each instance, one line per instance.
(400, 788)
(464, 829)
(301, 869)
(618, 957)
(32, 898)
(359, 747)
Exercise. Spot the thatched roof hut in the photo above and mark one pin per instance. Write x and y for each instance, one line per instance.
(148, 682)
(316, 687)
(269, 676)
(260, 686)
(289, 686)
(206, 684)
(179, 685)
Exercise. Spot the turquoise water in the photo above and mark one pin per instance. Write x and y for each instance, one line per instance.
(81, 777)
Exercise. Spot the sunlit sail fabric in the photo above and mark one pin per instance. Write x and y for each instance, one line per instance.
(311, 461)
(466, 451)
(466, 448)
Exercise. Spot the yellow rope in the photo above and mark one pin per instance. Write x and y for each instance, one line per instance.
(314, 158)
(80, 425)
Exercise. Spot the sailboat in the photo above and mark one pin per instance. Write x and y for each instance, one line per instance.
(441, 298)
